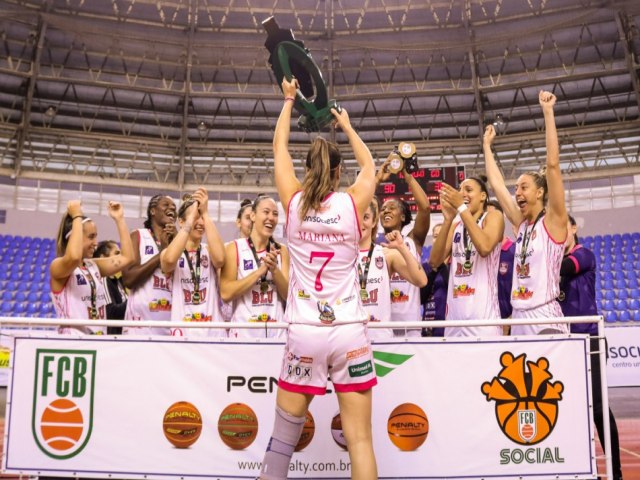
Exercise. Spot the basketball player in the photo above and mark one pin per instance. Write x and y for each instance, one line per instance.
(541, 217)
(255, 276)
(473, 243)
(375, 266)
(395, 215)
(194, 265)
(150, 289)
(327, 331)
(578, 298)
(433, 296)
(505, 270)
(76, 284)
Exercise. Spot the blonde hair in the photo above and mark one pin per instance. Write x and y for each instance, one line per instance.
(323, 160)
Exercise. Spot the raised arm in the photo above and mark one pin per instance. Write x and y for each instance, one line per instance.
(214, 241)
(441, 248)
(496, 180)
(556, 216)
(286, 181)
(170, 255)
(364, 187)
(422, 221)
(401, 261)
(111, 265)
(62, 267)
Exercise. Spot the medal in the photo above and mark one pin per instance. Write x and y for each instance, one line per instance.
(94, 313)
(561, 297)
(364, 295)
(467, 266)
(195, 298)
(264, 286)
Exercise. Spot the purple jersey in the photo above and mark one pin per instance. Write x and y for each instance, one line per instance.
(434, 302)
(578, 291)
(505, 277)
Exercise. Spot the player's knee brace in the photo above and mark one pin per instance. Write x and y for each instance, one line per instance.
(286, 433)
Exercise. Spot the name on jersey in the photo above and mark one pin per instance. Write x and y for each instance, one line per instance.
(321, 237)
(188, 294)
(372, 298)
(160, 283)
(259, 298)
(326, 221)
(189, 280)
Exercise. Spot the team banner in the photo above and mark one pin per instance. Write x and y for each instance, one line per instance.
(623, 365)
(156, 408)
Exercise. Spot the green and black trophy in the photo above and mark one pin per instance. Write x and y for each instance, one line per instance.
(289, 58)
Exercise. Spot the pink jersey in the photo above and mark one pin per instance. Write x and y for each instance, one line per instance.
(473, 285)
(255, 305)
(152, 300)
(74, 300)
(378, 301)
(536, 280)
(323, 246)
(207, 309)
(405, 298)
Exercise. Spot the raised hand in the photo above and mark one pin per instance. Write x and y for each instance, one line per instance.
(115, 209)
(547, 100)
(74, 208)
(394, 240)
(489, 135)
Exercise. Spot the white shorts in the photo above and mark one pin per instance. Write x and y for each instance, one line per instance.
(548, 310)
(314, 353)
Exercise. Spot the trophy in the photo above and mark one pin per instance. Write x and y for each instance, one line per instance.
(403, 157)
(289, 58)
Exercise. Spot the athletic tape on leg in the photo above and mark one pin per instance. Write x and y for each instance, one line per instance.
(286, 433)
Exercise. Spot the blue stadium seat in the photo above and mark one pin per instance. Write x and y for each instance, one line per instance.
(45, 297)
(610, 317)
(46, 309)
(621, 304)
(609, 295)
(624, 316)
(633, 283)
(634, 304)
(20, 296)
(622, 294)
(19, 308)
(7, 295)
(33, 297)
(608, 305)
(608, 275)
(608, 284)
(619, 283)
(636, 316)
(33, 309)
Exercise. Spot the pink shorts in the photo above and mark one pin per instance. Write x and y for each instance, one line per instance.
(313, 353)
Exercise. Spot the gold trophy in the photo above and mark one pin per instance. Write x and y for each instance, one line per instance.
(404, 153)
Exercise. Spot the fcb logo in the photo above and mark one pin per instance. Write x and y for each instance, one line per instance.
(247, 264)
(526, 400)
(80, 279)
(148, 250)
(62, 416)
(379, 262)
(181, 262)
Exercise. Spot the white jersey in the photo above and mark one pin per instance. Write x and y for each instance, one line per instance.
(255, 305)
(405, 298)
(207, 309)
(536, 280)
(378, 301)
(152, 300)
(74, 300)
(323, 246)
(473, 286)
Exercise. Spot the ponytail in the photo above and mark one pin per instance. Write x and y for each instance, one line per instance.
(323, 160)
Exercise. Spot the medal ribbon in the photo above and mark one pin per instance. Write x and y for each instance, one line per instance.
(468, 246)
(362, 276)
(526, 238)
(94, 292)
(195, 274)
(263, 280)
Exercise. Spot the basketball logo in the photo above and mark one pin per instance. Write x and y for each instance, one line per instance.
(308, 430)
(238, 426)
(336, 431)
(408, 427)
(61, 425)
(182, 424)
(526, 401)
(62, 416)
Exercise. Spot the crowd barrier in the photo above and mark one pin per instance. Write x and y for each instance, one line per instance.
(165, 407)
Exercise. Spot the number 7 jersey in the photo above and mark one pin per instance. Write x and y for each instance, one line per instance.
(323, 276)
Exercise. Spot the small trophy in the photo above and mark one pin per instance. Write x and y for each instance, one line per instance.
(289, 57)
(403, 157)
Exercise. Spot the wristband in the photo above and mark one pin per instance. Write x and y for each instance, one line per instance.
(77, 216)
(462, 208)
(286, 99)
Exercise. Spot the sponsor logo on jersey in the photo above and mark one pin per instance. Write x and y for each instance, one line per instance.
(398, 296)
(317, 219)
(463, 290)
(379, 262)
(521, 293)
(247, 264)
(327, 315)
(303, 295)
(504, 268)
(148, 250)
(358, 352)
(298, 371)
(361, 369)
(80, 280)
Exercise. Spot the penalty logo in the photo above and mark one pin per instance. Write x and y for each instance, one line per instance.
(62, 417)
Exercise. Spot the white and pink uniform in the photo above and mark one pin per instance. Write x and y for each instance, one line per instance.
(255, 305)
(473, 289)
(536, 281)
(208, 308)
(74, 300)
(378, 302)
(324, 291)
(405, 298)
(152, 300)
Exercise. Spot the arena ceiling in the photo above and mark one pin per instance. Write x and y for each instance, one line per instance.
(170, 94)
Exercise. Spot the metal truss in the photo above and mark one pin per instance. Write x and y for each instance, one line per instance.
(178, 93)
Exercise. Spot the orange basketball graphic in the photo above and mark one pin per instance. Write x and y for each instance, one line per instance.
(308, 430)
(526, 401)
(182, 424)
(408, 427)
(336, 431)
(61, 424)
(238, 426)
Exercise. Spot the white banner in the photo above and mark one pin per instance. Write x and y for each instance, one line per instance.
(168, 407)
(623, 366)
